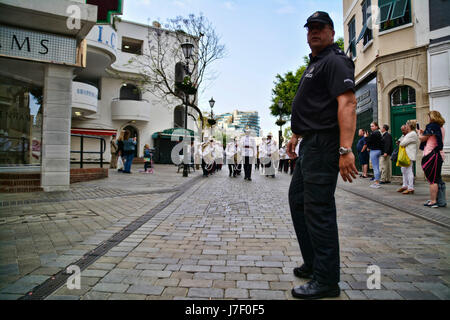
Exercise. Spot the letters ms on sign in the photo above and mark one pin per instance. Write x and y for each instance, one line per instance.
(106, 9)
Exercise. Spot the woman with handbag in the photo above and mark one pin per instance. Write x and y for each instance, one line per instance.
(433, 155)
(409, 142)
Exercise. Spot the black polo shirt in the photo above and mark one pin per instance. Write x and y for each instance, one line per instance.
(329, 74)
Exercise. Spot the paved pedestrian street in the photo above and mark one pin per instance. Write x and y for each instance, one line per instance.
(213, 238)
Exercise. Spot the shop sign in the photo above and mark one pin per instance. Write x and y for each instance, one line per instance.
(34, 45)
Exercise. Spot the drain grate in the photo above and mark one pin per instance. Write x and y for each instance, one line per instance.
(43, 290)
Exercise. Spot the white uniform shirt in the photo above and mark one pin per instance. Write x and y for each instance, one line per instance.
(248, 146)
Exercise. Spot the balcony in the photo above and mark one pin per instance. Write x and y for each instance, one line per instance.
(138, 110)
(84, 99)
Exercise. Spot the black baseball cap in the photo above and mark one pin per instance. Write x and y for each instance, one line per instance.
(320, 16)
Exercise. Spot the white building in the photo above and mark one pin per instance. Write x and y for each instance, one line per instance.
(120, 103)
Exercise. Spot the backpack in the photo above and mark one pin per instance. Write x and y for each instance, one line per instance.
(441, 201)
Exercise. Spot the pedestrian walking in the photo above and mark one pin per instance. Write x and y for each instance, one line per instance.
(248, 146)
(363, 154)
(385, 159)
(375, 147)
(114, 150)
(120, 155)
(433, 154)
(409, 141)
(323, 113)
(129, 147)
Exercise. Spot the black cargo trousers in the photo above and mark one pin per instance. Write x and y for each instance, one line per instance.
(312, 204)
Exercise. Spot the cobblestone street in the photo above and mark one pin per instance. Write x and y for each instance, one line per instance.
(216, 237)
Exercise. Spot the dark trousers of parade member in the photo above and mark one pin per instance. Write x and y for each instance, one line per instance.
(286, 164)
(257, 163)
(204, 168)
(248, 167)
(281, 165)
(231, 170)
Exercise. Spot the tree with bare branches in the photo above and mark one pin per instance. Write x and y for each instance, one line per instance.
(162, 68)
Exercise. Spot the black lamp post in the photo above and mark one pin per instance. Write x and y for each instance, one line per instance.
(187, 48)
(211, 121)
(280, 133)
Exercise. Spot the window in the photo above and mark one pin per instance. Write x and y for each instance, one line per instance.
(352, 38)
(178, 117)
(394, 13)
(367, 14)
(133, 46)
(130, 92)
(403, 96)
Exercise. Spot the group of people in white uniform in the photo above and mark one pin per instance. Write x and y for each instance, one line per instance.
(239, 154)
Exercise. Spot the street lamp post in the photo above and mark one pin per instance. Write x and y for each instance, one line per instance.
(187, 48)
(211, 121)
(280, 133)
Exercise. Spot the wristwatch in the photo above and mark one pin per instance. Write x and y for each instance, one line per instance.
(343, 150)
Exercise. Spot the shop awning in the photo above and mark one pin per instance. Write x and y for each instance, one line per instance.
(173, 132)
(93, 132)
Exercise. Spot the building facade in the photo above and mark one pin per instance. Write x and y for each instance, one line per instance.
(389, 43)
(114, 85)
(235, 123)
(41, 48)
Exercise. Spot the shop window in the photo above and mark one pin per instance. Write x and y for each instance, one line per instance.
(133, 46)
(403, 96)
(20, 123)
(394, 13)
(130, 92)
(367, 29)
(352, 38)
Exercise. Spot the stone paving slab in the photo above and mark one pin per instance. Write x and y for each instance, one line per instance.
(232, 239)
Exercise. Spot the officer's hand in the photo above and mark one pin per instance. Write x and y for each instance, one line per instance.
(347, 167)
(291, 147)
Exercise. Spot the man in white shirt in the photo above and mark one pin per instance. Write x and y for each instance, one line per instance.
(271, 155)
(248, 147)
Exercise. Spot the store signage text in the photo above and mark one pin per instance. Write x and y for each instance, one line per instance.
(33, 45)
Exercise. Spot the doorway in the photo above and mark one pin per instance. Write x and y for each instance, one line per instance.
(403, 108)
(133, 134)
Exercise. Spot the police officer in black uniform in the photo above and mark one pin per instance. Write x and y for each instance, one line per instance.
(324, 114)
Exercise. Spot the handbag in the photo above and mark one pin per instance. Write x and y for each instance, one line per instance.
(119, 163)
(403, 159)
(394, 155)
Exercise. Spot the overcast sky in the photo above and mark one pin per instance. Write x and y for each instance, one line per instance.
(262, 37)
